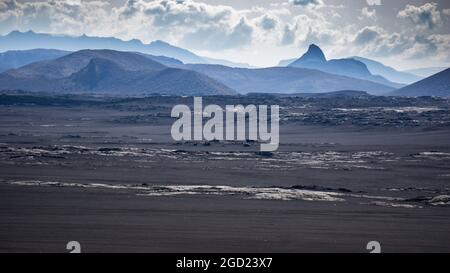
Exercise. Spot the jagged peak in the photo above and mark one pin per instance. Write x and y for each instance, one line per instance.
(314, 53)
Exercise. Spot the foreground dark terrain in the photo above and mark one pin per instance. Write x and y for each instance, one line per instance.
(351, 168)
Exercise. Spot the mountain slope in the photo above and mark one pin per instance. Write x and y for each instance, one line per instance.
(436, 85)
(314, 58)
(377, 68)
(109, 72)
(17, 58)
(285, 80)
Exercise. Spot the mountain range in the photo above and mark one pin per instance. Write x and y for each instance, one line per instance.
(109, 72)
(135, 72)
(17, 40)
(374, 67)
(285, 80)
(128, 73)
(314, 58)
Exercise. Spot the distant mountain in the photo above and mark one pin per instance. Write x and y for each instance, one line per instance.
(17, 40)
(287, 62)
(314, 58)
(285, 80)
(227, 63)
(377, 68)
(437, 85)
(16, 58)
(29, 40)
(426, 72)
(19, 58)
(167, 61)
(109, 72)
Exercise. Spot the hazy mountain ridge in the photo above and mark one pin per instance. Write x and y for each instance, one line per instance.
(285, 80)
(314, 58)
(108, 71)
(375, 68)
(391, 74)
(17, 58)
(17, 40)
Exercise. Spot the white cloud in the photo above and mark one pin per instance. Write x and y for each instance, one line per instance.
(310, 29)
(426, 16)
(376, 41)
(369, 14)
(218, 29)
(217, 38)
(435, 46)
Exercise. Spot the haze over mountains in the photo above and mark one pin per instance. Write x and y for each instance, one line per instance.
(17, 40)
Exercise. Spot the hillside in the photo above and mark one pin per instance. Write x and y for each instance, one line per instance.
(437, 85)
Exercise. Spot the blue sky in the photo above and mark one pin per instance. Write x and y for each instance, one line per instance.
(401, 33)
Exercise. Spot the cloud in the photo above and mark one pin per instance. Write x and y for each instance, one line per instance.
(219, 29)
(313, 28)
(376, 41)
(435, 46)
(216, 38)
(369, 14)
(426, 16)
(373, 2)
(309, 3)
(54, 16)
(367, 35)
(268, 22)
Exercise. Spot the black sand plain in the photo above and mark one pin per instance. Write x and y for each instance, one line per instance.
(105, 172)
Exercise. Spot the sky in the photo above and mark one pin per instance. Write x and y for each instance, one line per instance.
(401, 33)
